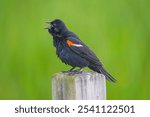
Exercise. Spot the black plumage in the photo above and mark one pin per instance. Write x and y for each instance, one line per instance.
(72, 51)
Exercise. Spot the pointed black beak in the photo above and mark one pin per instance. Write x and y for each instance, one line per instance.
(49, 27)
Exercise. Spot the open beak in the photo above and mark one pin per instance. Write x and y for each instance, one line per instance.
(49, 27)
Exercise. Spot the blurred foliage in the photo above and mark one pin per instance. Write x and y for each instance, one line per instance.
(118, 31)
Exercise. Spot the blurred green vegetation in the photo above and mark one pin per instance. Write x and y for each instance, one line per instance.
(118, 31)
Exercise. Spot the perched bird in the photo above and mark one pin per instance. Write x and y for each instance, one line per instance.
(72, 51)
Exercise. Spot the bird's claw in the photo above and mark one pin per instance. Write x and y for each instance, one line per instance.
(71, 72)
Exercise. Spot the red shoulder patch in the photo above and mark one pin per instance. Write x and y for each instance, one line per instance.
(69, 43)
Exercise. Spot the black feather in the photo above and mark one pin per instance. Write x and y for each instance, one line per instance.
(108, 76)
(76, 56)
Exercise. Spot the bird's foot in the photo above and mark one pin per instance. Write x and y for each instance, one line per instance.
(77, 70)
(71, 71)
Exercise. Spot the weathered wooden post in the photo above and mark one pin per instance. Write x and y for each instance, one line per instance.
(78, 86)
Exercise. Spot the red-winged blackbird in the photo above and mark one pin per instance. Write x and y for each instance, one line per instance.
(72, 51)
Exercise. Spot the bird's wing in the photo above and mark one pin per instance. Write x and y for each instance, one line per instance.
(82, 50)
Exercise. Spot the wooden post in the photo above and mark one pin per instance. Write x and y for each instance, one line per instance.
(78, 86)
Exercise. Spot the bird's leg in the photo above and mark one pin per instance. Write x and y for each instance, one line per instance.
(72, 69)
(69, 70)
(78, 70)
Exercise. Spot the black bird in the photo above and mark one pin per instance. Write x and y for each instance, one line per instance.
(72, 51)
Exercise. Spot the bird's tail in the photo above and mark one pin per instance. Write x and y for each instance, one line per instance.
(108, 76)
(100, 69)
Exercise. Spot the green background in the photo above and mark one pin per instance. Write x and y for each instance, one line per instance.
(118, 31)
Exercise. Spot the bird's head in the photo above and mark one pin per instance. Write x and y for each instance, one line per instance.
(57, 28)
